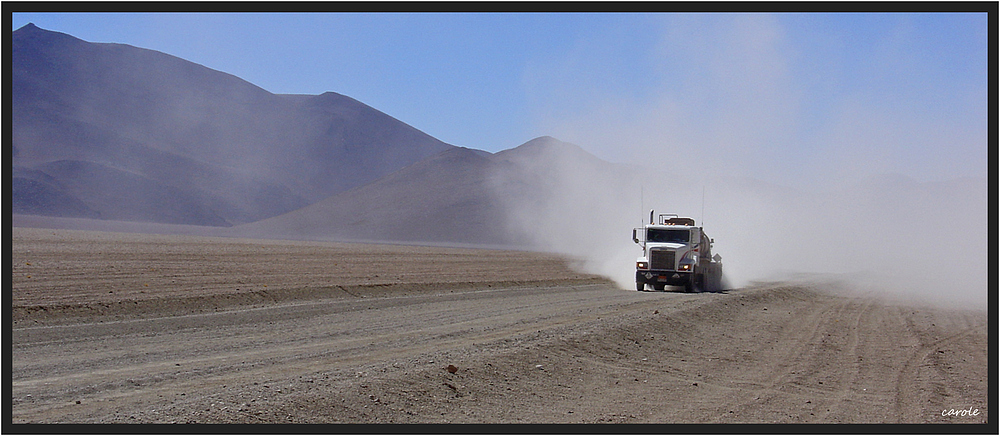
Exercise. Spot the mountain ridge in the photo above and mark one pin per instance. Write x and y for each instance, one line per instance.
(131, 110)
(320, 166)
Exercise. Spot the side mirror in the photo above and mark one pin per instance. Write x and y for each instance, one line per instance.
(635, 238)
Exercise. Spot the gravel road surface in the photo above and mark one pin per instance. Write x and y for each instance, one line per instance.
(128, 328)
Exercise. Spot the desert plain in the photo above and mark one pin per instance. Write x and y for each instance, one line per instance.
(112, 327)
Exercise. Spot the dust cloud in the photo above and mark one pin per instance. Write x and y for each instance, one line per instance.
(790, 179)
(888, 236)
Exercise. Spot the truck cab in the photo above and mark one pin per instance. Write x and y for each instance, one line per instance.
(675, 252)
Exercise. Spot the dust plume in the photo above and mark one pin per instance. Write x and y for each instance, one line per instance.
(887, 235)
(861, 188)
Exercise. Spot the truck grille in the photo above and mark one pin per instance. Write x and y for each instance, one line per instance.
(661, 259)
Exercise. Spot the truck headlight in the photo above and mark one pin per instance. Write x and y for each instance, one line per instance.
(642, 265)
(688, 262)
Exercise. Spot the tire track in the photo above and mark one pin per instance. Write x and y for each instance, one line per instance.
(243, 348)
(911, 384)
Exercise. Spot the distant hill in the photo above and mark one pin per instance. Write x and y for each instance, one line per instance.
(115, 132)
(460, 196)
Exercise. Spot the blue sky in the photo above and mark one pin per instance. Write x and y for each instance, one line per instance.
(810, 99)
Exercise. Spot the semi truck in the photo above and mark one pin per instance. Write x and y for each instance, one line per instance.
(676, 253)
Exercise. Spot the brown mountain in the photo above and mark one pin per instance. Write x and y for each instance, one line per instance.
(116, 132)
(461, 196)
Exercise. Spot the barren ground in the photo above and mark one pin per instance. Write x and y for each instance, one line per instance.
(129, 328)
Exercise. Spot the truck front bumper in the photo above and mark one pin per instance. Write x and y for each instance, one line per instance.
(662, 277)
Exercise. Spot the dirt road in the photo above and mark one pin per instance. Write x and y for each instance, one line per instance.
(439, 338)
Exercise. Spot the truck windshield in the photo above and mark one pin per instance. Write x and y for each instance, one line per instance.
(664, 235)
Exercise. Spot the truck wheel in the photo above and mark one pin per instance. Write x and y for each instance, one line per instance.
(658, 287)
(641, 287)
